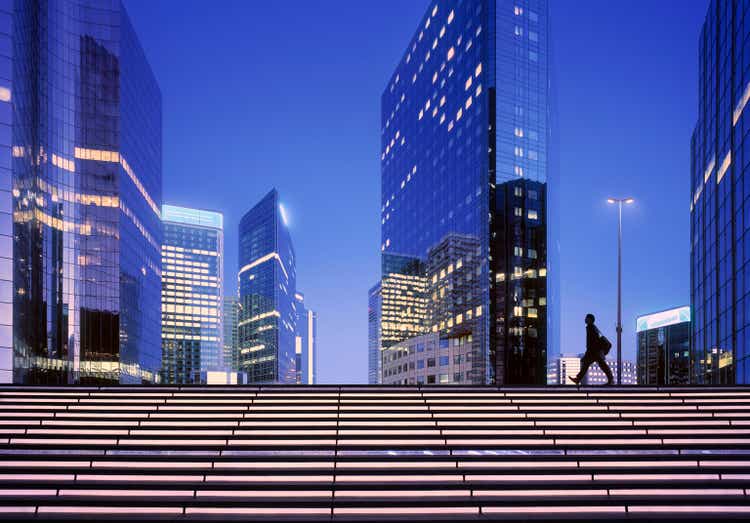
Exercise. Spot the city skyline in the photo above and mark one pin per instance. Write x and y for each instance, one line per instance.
(343, 351)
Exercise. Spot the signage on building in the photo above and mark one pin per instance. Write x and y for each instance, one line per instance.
(662, 319)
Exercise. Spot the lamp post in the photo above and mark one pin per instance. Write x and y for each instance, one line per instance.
(619, 202)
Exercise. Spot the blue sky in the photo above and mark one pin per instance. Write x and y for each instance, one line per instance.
(287, 94)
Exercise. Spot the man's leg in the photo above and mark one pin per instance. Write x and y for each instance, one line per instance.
(586, 362)
(602, 361)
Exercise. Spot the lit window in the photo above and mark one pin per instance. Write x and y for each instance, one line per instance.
(478, 91)
(434, 77)
(4, 94)
(421, 114)
(468, 102)
(442, 101)
(459, 113)
(518, 211)
(442, 31)
(450, 125)
(450, 16)
(451, 53)
(518, 132)
(434, 43)
(434, 10)
(533, 215)
(467, 84)
(442, 118)
(478, 69)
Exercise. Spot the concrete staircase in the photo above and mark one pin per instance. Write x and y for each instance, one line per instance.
(346, 453)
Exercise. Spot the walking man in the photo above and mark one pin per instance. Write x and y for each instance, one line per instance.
(597, 347)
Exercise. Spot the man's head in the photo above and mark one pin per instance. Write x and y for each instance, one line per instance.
(590, 319)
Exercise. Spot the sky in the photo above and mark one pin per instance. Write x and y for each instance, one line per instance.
(287, 94)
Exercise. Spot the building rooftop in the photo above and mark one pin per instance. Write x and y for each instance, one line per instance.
(374, 453)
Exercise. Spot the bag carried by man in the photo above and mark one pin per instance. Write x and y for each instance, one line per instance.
(604, 344)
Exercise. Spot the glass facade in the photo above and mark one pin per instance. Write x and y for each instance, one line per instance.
(720, 199)
(374, 310)
(80, 196)
(306, 342)
(192, 256)
(466, 125)
(267, 284)
(231, 344)
(664, 347)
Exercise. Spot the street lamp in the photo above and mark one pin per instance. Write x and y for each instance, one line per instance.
(619, 202)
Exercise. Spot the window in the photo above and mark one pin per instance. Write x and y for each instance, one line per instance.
(518, 211)
(533, 16)
(533, 215)
(431, 378)
(531, 253)
(420, 364)
(444, 360)
(430, 362)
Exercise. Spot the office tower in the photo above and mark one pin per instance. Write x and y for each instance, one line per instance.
(719, 173)
(192, 257)
(267, 284)
(561, 368)
(664, 347)
(374, 359)
(467, 150)
(397, 307)
(231, 345)
(80, 197)
(306, 342)
(595, 375)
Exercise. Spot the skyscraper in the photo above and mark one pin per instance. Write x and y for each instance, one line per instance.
(374, 359)
(80, 196)
(664, 347)
(467, 151)
(720, 181)
(397, 308)
(231, 344)
(192, 287)
(306, 342)
(267, 284)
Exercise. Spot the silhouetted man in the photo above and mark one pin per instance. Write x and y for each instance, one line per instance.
(594, 352)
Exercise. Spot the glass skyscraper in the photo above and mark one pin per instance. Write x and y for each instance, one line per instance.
(467, 152)
(306, 342)
(720, 199)
(80, 196)
(267, 284)
(664, 347)
(231, 317)
(192, 256)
